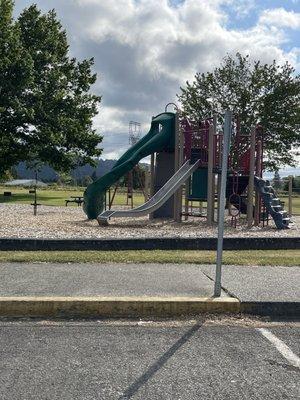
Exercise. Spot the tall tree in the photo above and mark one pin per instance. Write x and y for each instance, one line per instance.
(15, 78)
(58, 107)
(268, 94)
(277, 183)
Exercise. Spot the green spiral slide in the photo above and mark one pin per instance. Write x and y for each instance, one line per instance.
(161, 137)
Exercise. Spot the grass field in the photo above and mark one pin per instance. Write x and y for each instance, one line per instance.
(295, 203)
(260, 257)
(57, 197)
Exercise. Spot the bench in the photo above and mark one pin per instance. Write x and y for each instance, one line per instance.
(74, 199)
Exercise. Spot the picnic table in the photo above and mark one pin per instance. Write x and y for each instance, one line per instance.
(75, 199)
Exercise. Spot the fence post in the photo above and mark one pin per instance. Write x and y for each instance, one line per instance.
(290, 195)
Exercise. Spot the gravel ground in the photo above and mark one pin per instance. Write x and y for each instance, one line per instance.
(18, 221)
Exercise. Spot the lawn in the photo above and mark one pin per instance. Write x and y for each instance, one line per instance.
(57, 197)
(295, 203)
(259, 257)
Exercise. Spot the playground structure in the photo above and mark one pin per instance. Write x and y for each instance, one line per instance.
(135, 175)
(186, 161)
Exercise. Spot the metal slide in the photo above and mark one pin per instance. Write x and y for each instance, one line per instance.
(158, 199)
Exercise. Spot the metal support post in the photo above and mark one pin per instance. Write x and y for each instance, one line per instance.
(221, 211)
(251, 179)
(178, 158)
(187, 192)
(257, 211)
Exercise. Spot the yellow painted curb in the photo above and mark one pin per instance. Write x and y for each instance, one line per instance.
(114, 306)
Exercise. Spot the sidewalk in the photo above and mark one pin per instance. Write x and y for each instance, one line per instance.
(120, 290)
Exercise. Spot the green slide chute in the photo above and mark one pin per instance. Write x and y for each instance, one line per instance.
(161, 137)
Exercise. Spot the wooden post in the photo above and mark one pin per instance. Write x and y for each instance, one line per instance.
(146, 186)
(181, 157)
(152, 179)
(290, 195)
(257, 195)
(251, 179)
(186, 205)
(178, 194)
(200, 207)
(111, 200)
(130, 188)
(210, 177)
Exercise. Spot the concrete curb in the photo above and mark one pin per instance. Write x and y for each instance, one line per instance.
(271, 308)
(114, 307)
(166, 243)
(136, 307)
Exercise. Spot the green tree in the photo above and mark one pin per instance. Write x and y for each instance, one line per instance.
(86, 180)
(267, 94)
(15, 78)
(64, 179)
(54, 125)
(277, 183)
(295, 184)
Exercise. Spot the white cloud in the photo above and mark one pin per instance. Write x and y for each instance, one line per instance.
(146, 49)
(281, 18)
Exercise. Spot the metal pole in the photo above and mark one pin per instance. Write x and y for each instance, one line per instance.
(221, 211)
(214, 175)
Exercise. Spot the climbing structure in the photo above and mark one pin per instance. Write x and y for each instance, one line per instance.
(186, 157)
(204, 141)
(272, 203)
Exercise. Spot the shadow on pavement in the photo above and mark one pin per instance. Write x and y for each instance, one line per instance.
(157, 365)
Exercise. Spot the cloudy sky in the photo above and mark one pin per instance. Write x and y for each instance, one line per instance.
(145, 49)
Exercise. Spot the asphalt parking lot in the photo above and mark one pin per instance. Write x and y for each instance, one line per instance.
(186, 359)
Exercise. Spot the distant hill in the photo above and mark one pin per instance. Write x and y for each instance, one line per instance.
(47, 174)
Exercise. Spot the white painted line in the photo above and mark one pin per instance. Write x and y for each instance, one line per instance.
(283, 349)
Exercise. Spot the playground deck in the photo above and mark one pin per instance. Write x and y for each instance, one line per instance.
(18, 221)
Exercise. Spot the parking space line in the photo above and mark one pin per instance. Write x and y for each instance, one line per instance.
(283, 349)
